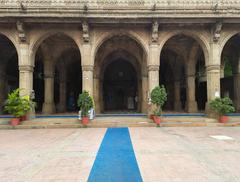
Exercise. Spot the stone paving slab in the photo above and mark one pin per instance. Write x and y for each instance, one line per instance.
(163, 154)
(187, 154)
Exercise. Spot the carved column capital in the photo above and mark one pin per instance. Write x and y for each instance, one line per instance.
(153, 68)
(212, 67)
(87, 68)
(25, 68)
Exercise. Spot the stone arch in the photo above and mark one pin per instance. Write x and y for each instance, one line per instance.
(12, 39)
(43, 36)
(132, 60)
(55, 89)
(108, 35)
(225, 40)
(199, 38)
(230, 67)
(9, 66)
(104, 51)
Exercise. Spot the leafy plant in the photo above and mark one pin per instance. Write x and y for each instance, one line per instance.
(16, 105)
(222, 105)
(159, 97)
(85, 102)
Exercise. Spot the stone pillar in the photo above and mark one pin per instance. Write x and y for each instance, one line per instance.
(153, 66)
(191, 104)
(153, 77)
(236, 80)
(153, 70)
(87, 68)
(25, 79)
(87, 76)
(144, 106)
(213, 83)
(2, 86)
(63, 90)
(177, 94)
(25, 70)
(96, 95)
(48, 105)
(213, 73)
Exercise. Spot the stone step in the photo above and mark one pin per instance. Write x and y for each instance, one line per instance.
(104, 122)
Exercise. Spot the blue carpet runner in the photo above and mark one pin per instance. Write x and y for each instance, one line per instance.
(115, 161)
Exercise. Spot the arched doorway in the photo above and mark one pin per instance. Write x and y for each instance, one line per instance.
(9, 74)
(57, 74)
(180, 61)
(120, 86)
(120, 76)
(230, 70)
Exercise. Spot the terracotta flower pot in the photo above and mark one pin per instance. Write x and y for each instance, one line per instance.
(85, 120)
(157, 119)
(223, 119)
(15, 121)
(151, 116)
(23, 118)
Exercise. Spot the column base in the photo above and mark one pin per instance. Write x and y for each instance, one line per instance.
(210, 113)
(61, 107)
(178, 106)
(151, 109)
(191, 106)
(237, 107)
(48, 108)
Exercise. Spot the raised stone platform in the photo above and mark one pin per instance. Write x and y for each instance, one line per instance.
(118, 121)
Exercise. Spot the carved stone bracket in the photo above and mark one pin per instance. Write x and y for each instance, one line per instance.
(85, 28)
(21, 31)
(217, 31)
(155, 31)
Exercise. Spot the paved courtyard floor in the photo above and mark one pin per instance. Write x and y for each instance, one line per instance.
(163, 154)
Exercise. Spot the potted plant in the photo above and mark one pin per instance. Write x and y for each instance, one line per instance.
(17, 105)
(158, 98)
(222, 106)
(85, 103)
